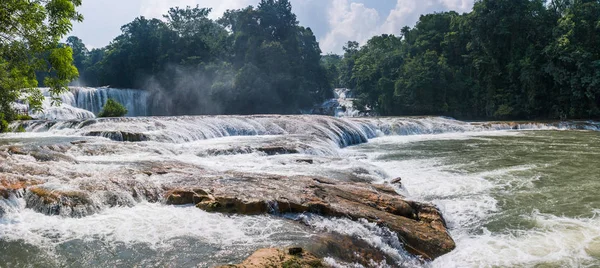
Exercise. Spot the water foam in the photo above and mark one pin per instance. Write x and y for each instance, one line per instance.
(157, 227)
(554, 241)
(469, 201)
(377, 237)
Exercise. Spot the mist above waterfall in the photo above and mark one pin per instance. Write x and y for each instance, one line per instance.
(187, 92)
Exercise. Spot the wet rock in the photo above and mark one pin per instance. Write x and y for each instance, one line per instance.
(13, 186)
(397, 181)
(43, 154)
(277, 258)
(47, 156)
(385, 188)
(119, 135)
(16, 150)
(295, 251)
(234, 205)
(420, 226)
(78, 142)
(349, 249)
(64, 203)
(308, 161)
(182, 197)
(275, 150)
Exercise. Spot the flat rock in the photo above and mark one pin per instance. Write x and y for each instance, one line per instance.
(420, 226)
(278, 258)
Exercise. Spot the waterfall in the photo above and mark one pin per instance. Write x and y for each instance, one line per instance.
(93, 99)
(342, 105)
(87, 102)
(339, 132)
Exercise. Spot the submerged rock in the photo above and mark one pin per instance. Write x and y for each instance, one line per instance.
(349, 249)
(278, 258)
(42, 153)
(275, 150)
(119, 135)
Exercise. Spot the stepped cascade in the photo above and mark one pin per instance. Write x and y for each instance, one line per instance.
(75, 191)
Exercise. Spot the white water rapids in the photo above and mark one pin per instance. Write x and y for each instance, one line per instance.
(149, 234)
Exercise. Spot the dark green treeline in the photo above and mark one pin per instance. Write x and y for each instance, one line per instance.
(507, 59)
(252, 60)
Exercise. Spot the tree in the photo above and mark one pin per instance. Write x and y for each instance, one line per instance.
(112, 108)
(30, 31)
(270, 50)
(519, 59)
(80, 52)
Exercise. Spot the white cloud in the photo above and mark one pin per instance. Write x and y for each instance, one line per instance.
(157, 8)
(459, 5)
(334, 21)
(348, 21)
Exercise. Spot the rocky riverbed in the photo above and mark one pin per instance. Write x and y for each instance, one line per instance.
(286, 172)
(52, 181)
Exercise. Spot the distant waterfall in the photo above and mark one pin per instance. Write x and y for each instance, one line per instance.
(86, 102)
(93, 99)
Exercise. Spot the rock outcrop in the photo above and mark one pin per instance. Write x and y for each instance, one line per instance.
(277, 258)
(420, 226)
(55, 202)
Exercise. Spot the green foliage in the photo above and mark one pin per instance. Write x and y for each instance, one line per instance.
(112, 108)
(29, 48)
(3, 123)
(20, 129)
(252, 60)
(506, 59)
(23, 117)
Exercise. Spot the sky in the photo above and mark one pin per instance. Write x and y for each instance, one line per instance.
(334, 22)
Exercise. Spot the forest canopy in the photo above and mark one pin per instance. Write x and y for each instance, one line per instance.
(506, 59)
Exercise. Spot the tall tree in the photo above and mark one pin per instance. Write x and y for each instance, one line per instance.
(30, 31)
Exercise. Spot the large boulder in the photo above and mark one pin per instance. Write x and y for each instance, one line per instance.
(420, 226)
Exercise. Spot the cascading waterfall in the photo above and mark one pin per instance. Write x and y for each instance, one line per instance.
(93, 99)
(87, 102)
(341, 131)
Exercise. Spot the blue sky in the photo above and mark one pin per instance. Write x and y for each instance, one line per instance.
(333, 21)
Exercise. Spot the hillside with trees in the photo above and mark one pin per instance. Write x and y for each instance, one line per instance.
(252, 60)
(506, 59)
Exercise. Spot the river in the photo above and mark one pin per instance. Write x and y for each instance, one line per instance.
(513, 195)
(511, 198)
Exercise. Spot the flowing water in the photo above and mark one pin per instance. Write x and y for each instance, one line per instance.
(511, 197)
(87, 102)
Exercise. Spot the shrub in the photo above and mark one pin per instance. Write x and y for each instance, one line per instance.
(3, 123)
(112, 109)
(24, 117)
